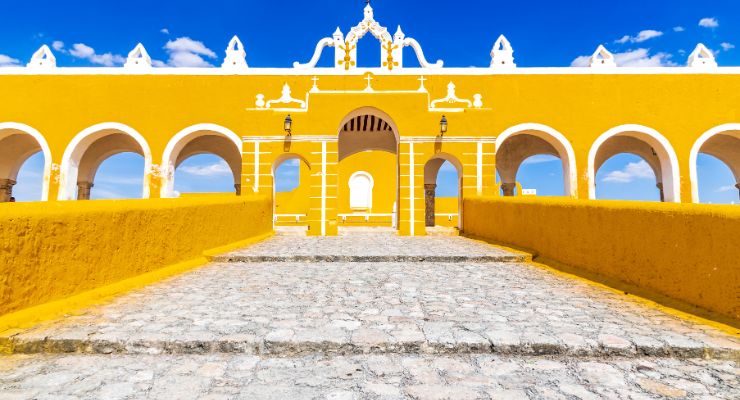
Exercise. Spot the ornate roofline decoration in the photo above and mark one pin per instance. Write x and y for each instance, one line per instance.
(702, 57)
(236, 57)
(502, 54)
(43, 58)
(391, 47)
(602, 58)
(138, 58)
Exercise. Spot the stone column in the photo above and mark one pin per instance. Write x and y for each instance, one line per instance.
(508, 188)
(659, 185)
(83, 190)
(6, 190)
(238, 189)
(738, 187)
(429, 189)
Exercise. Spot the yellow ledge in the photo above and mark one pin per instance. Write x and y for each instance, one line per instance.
(13, 323)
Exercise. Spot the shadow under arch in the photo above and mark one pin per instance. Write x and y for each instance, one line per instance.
(644, 142)
(201, 139)
(522, 141)
(18, 142)
(93, 145)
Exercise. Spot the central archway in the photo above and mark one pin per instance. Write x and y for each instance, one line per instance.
(368, 148)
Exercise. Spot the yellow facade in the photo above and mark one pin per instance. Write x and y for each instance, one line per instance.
(580, 107)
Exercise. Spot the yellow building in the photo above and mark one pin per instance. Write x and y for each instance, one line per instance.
(370, 141)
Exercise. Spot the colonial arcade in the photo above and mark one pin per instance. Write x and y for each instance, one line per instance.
(369, 142)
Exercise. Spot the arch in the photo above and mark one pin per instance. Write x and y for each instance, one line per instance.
(118, 139)
(547, 141)
(431, 171)
(361, 185)
(288, 156)
(10, 171)
(197, 136)
(375, 132)
(666, 169)
(731, 160)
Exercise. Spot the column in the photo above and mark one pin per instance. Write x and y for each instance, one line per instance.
(238, 189)
(6, 190)
(659, 185)
(429, 192)
(508, 188)
(322, 218)
(83, 190)
(738, 187)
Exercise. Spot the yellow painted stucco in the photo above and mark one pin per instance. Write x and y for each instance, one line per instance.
(64, 249)
(579, 106)
(684, 254)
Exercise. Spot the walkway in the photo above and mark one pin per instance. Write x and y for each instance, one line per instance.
(372, 316)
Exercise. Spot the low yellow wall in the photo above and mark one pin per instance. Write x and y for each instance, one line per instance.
(684, 252)
(49, 251)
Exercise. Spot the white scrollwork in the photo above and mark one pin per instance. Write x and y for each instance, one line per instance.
(325, 42)
(286, 98)
(452, 98)
(420, 54)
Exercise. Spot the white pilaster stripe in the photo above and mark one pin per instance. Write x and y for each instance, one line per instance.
(256, 166)
(323, 188)
(411, 187)
(479, 172)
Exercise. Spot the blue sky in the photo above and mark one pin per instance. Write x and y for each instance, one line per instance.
(543, 33)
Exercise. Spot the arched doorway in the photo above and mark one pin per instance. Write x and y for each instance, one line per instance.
(202, 139)
(291, 176)
(721, 144)
(522, 142)
(90, 148)
(443, 191)
(651, 147)
(18, 144)
(368, 169)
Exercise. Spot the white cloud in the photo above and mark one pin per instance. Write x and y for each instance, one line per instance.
(7, 61)
(540, 159)
(85, 52)
(727, 46)
(709, 22)
(638, 170)
(186, 52)
(218, 169)
(640, 37)
(165, 31)
(58, 45)
(678, 29)
(727, 188)
(632, 58)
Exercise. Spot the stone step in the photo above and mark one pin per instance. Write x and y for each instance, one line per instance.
(328, 258)
(333, 342)
(224, 376)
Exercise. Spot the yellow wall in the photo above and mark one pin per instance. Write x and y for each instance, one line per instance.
(66, 248)
(383, 167)
(446, 205)
(685, 252)
(297, 200)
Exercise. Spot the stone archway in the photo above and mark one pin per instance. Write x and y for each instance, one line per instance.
(431, 173)
(722, 142)
(18, 142)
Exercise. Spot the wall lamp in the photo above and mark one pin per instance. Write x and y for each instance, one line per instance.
(288, 124)
(443, 125)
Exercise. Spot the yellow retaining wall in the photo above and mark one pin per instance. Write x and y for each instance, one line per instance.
(667, 252)
(50, 251)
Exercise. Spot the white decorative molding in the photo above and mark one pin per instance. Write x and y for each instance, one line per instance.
(502, 55)
(391, 47)
(138, 58)
(236, 57)
(452, 98)
(43, 58)
(602, 58)
(477, 100)
(702, 57)
(286, 98)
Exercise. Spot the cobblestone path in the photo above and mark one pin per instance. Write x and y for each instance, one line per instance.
(371, 316)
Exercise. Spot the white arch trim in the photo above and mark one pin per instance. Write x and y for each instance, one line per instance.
(661, 145)
(72, 157)
(561, 144)
(44, 148)
(696, 149)
(180, 140)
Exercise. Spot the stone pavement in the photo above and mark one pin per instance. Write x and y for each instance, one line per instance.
(372, 316)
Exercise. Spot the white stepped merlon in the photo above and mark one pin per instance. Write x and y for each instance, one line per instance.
(138, 58)
(43, 58)
(502, 55)
(702, 57)
(391, 47)
(602, 58)
(236, 56)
